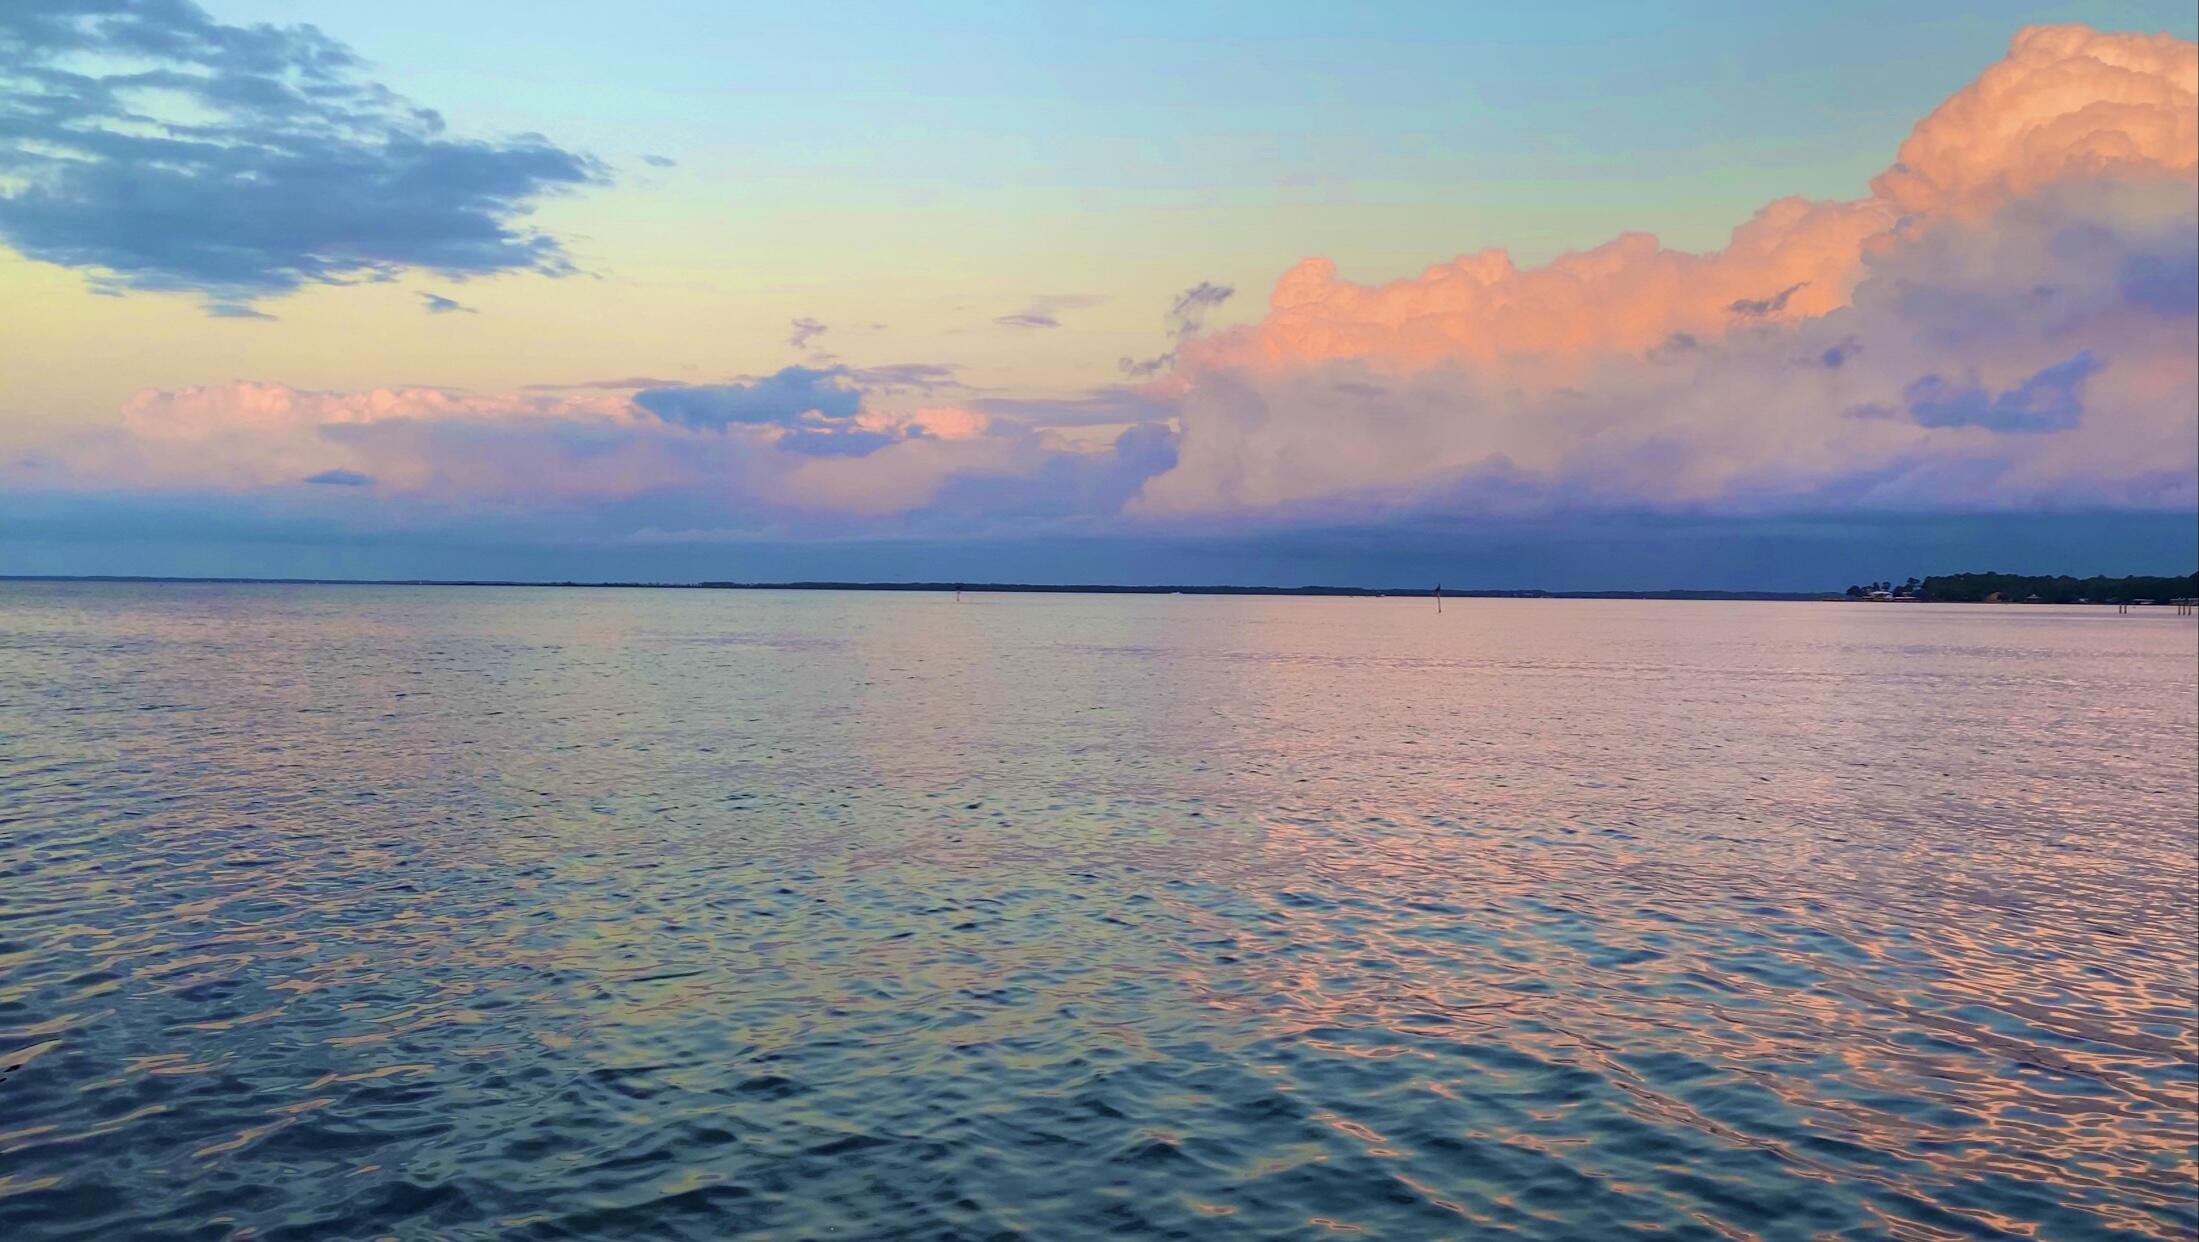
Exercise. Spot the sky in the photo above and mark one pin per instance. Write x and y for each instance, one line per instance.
(1590, 296)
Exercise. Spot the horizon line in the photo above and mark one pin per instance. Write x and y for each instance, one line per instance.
(951, 586)
(947, 586)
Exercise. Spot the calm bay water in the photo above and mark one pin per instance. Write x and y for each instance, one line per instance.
(356, 912)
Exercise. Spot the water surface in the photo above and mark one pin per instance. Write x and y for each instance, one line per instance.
(533, 913)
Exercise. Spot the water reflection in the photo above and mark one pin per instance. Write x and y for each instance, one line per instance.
(573, 913)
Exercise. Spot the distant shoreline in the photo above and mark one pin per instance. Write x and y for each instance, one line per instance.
(1052, 588)
(974, 588)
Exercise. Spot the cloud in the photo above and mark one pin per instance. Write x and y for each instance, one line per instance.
(898, 377)
(805, 331)
(834, 441)
(160, 149)
(2066, 103)
(620, 382)
(1186, 317)
(1188, 314)
(2014, 342)
(418, 442)
(867, 431)
(248, 409)
(1045, 310)
(660, 161)
(1107, 404)
(789, 395)
(817, 413)
(800, 445)
(781, 398)
(1757, 308)
(2166, 283)
(1946, 327)
(2052, 400)
(1629, 295)
(437, 304)
(2023, 269)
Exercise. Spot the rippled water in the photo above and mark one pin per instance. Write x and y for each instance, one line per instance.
(350, 912)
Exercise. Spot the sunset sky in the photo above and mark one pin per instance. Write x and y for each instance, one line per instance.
(1568, 296)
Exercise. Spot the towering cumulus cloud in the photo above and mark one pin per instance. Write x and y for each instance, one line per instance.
(2006, 319)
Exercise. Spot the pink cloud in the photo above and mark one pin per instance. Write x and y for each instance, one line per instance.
(1628, 295)
(2004, 242)
(269, 408)
(534, 448)
(2067, 103)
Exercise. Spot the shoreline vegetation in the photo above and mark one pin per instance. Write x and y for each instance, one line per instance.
(1998, 588)
(1971, 588)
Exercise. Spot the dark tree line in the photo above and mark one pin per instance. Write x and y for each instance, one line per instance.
(2061, 589)
(1900, 590)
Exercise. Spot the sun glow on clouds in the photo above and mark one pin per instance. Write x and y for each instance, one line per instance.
(2006, 320)
(2044, 212)
(796, 439)
(2068, 104)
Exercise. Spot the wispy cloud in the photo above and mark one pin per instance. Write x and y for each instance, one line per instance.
(437, 304)
(1186, 317)
(616, 384)
(1188, 314)
(804, 331)
(893, 378)
(1757, 308)
(1045, 310)
(1108, 404)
